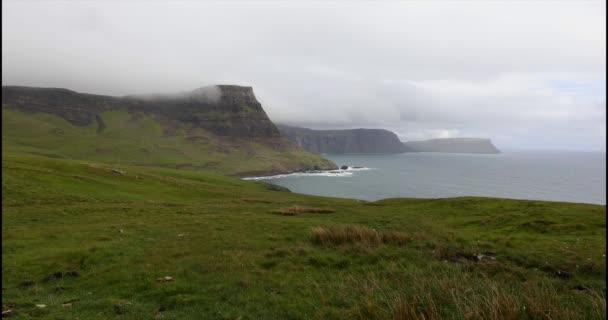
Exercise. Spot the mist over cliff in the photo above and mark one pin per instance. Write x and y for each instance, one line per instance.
(219, 128)
(453, 145)
(484, 69)
(225, 110)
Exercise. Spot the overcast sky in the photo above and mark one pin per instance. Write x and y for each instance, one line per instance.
(525, 74)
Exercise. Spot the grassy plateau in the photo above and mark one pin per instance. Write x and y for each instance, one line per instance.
(143, 139)
(136, 217)
(83, 239)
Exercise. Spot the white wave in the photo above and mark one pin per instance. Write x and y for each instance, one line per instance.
(321, 173)
(358, 169)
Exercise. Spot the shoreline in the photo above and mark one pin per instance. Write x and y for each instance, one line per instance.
(323, 173)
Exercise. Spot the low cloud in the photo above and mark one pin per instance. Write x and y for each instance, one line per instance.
(525, 74)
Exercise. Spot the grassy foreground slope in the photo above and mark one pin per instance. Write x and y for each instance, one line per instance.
(144, 139)
(90, 240)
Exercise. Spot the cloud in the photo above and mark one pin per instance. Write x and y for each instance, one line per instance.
(526, 74)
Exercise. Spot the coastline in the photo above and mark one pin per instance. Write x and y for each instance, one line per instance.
(325, 173)
(269, 173)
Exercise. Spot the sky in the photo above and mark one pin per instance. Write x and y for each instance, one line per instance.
(528, 75)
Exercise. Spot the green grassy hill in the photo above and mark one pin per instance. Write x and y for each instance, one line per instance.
(93, 240)
(125, 208)
(221, 129)
(144, 139)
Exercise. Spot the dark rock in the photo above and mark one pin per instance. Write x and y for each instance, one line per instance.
(6, 306)
(61, 275)
(464, 256)
(225, 110)
(27, 283)
(71, 301)
(460, 257)
(486, 256)
(344, 167)
(562, 274)
(55, 275)
(343, 141)
(72, 273)
(8, 310)
(273, 187)
(121, 307)
(165, 279)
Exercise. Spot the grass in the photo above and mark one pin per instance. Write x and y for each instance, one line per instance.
(90, 243)
(356, 234)
(488, 300)
(144, 140)
(295, 210)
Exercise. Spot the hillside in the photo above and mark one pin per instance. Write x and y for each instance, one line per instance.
(221, 129)
(343, 141)
(453, 145)
(101, 221)
(89, 240)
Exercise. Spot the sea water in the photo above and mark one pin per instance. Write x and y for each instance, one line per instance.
(554, 176)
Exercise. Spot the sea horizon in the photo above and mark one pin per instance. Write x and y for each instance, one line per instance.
(550, 175)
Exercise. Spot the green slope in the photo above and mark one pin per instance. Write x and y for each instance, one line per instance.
(89, 240)
(136, 138)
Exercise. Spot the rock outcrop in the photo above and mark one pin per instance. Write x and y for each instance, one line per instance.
(343, 141)
(220, 128)
(225, 110)
(378, 141)
(453, 145)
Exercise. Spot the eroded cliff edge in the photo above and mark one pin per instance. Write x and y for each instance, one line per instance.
(343, 141)
(218, 128)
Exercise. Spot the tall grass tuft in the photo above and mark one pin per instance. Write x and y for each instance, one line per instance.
(452, 294)
(402, 310)
(295, 210)
(336, 235)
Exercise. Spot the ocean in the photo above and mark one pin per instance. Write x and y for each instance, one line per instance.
(553, 176)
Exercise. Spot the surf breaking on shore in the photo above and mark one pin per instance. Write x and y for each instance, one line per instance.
(314, 173)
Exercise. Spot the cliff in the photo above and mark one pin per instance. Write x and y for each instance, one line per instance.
(453, 145)
(225, 110)
(219, 128)
(343, 141)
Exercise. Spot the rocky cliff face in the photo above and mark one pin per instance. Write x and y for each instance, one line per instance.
(77, 108)
(453, 145)
(221, 128)
(343, 141)
(225, 110)
(378, 141)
